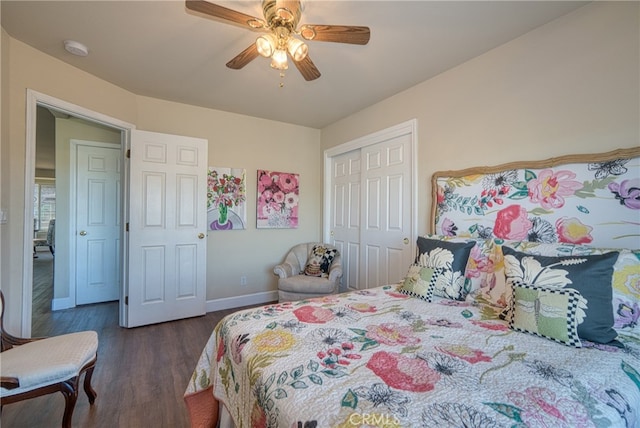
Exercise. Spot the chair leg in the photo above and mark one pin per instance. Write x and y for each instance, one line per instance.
(91, 393)
(70, 391)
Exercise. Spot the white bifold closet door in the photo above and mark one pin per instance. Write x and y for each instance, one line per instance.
(371, 213)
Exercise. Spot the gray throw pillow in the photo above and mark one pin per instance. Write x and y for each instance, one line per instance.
(591, 276)
(451, 259)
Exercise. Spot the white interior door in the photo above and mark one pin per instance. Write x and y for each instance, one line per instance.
(167, 228)
(345, 214)
(97, 243)
(386, 250)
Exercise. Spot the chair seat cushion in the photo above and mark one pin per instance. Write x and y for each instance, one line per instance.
(306, 284)
(48, 361)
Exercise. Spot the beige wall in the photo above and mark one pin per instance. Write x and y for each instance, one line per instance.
(235, 141)
(238, 141)
(65, 131)
(571, 86)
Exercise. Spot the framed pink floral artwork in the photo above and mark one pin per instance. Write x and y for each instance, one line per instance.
(226, 198)
(277, 206)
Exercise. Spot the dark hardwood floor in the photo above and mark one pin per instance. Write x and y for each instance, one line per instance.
(141, 373)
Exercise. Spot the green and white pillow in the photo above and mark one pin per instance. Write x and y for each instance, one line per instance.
(420, 282)
(552, 313)
(590, 276)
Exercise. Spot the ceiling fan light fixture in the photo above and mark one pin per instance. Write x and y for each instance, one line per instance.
(297, 49)
(284, 37)
(266, 45)
(279, 59)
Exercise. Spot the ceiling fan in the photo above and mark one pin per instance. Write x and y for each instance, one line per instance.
(280, 25)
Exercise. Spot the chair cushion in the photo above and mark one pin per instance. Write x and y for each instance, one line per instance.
(319, 261)
(306, 284)
(48, 361)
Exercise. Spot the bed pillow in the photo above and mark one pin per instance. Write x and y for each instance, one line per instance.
(451, 260)
(626, 295)
(485, 270)
(546, 311)
(319, 261)
(420, 282)
(590, 276)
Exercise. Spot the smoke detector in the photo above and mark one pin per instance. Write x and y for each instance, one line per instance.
(76, 48)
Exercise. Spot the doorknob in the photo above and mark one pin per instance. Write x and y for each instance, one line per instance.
(406, 241)
(200, 235)
(82, 233)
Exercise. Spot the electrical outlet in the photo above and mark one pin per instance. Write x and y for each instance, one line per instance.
(243, 280)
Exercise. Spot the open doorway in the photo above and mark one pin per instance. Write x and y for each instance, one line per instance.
(44, 212)
(44, 201)
(157, 156)
(56, 196)
(51, 126)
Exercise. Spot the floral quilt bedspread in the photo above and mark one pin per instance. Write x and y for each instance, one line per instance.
(380, 358)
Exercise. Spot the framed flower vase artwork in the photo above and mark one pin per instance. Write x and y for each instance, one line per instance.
(277, 206)
(226, 198)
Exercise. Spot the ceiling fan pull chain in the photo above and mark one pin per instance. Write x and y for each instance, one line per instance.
(282, 79)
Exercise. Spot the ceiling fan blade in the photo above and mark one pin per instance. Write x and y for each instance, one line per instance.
(244, 57)
(307, 68)
(336, 33)
(227, 14)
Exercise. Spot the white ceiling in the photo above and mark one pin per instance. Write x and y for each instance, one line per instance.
(161, 50)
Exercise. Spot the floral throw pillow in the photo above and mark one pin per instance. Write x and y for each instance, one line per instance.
(450, 258)
(420, 282)
(591, 276)
(547, 312)
(319, 261)
(626, 294)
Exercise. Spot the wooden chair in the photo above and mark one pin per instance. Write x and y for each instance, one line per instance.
(33, 367)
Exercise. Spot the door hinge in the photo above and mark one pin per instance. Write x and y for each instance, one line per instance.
(126, 300)
(126, 227)
(129, 153)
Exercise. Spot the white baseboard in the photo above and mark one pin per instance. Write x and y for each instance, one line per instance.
(211, 305)
(62, 303)
(239, 301)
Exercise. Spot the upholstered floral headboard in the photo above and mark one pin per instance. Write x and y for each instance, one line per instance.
(580, 199)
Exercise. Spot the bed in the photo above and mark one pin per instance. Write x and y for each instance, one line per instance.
(521, 309)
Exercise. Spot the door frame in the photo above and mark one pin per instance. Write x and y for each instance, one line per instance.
(33, 100)
(409, 127)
